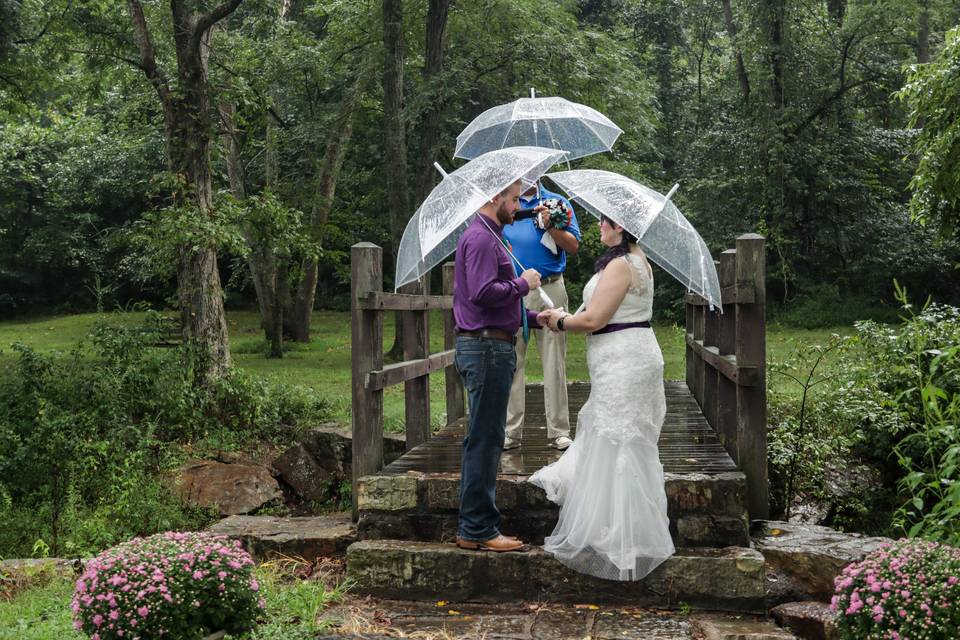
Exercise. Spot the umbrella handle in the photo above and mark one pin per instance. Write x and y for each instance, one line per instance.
(546, 299)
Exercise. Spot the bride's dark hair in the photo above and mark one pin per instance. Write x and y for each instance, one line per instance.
(621, 249)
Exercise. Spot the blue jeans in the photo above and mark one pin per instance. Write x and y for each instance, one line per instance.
(486, 367)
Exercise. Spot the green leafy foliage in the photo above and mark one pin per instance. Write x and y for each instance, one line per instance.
(932, 93)
(893, 403)
(86, 435)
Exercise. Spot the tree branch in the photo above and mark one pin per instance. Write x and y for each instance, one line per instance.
(263, 99)
(13, 84)
(820, 110)
(107, 54)
(207, 20)
(148, 57)
(46, 27)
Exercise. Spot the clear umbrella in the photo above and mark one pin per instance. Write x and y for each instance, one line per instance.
(432, 233)
(665, 234)
(554, 123)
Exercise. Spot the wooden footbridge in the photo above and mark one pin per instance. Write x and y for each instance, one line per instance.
(713, 447)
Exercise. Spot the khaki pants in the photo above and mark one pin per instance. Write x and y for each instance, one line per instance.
(553, 353)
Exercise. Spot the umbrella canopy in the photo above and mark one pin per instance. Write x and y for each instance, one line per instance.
(432, 233)
(665, 234)
(554, 123)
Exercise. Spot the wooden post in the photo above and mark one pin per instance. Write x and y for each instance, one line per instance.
(366, 330)
(750, 347)
(691, 355)
(456, 407)
(726, 424)
(416, 392)
(711, 376)
(699, 366)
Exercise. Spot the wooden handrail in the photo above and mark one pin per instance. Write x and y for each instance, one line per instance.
(404, 301)
(742, 293)
(408, 370)
(745, 376)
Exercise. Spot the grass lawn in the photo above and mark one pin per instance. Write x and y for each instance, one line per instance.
(324, 363)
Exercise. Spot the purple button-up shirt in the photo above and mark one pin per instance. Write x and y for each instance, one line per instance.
(486, 289)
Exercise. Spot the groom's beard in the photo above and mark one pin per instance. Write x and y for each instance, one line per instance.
(505, 215)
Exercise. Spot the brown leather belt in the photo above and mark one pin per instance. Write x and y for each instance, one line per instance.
(488, 333)
(551, 278)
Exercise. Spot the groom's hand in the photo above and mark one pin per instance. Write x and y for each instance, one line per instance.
(532, 276)
(544, 318)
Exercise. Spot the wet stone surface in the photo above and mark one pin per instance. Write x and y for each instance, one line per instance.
(521, 622)
(267, 536)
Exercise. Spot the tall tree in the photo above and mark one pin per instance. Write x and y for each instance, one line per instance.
(395, 139)
(326, 185)
(430, 125)
(188, 132)
(742, 78)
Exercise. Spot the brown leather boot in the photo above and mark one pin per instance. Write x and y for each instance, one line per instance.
(499, 544)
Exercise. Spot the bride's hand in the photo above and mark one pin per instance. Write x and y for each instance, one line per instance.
(547, 319)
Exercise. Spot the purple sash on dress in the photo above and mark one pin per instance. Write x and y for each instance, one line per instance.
(620, 326)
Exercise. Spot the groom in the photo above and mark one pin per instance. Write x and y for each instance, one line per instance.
(488, 309)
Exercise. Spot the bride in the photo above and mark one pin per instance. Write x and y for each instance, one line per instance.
(613, 516)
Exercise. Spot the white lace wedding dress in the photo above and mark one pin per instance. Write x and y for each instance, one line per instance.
(613, 516)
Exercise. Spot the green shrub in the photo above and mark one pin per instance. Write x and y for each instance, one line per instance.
(824, 306)
(894, 402)
(86, 436)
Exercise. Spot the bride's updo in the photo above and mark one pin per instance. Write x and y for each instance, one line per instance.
(621, 249)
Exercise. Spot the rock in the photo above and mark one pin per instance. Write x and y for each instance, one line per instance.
(810, 620)
(727, 629)
(308, 538)
(614, 625)
(706, 510)
(844, 482)
(728, 579)
(331, 445)
(387, 493)
(803, 559)
(34, 566)
(299, 469)
(233, 488)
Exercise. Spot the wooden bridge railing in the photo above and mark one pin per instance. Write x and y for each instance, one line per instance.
(726, 363)
(368, 302)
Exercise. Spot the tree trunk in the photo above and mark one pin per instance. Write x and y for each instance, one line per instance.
(430, 128)
(742, 77)
(395, 144)
(299, 322)
(923, 34)
(261, 263)
(188, 130)
(837, 9)
(775, 44)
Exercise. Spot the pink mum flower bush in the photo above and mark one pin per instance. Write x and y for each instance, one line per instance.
(908, 590)
(170, 585)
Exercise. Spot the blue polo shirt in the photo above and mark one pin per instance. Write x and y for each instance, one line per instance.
(524, 238)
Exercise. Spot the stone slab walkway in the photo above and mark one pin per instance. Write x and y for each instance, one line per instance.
(533, 621)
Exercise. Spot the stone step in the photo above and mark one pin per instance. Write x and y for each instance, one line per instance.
(267, 537)
(706, 510)
(730, 579)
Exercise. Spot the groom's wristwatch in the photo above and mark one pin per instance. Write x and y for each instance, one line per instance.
(560, 323)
